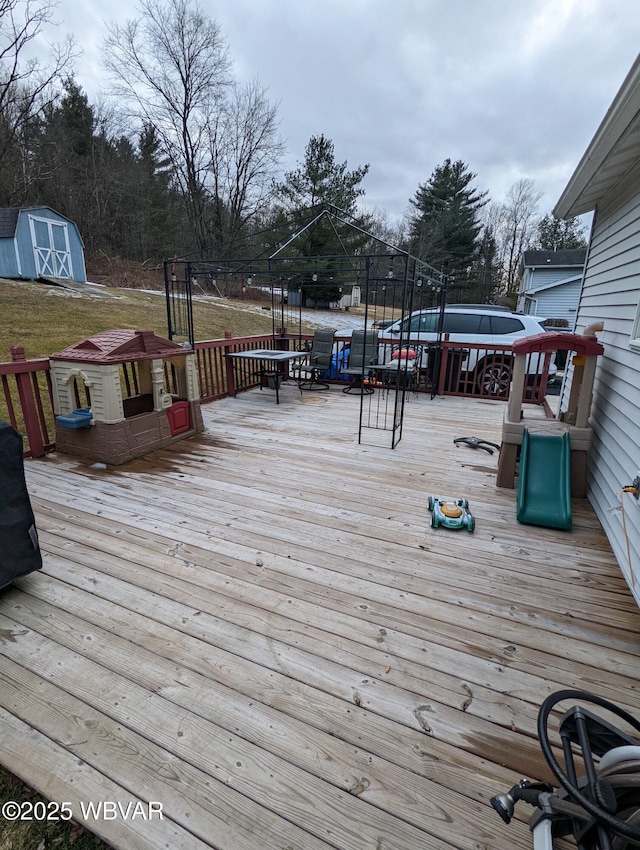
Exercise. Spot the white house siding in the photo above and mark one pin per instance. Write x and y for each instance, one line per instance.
(610, 294)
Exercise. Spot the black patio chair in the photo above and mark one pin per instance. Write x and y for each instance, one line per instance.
(363, 356)
(317, 361)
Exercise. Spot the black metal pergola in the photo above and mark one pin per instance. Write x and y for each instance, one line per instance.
(385, 282)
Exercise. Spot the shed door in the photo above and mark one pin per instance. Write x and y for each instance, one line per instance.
(51, 247)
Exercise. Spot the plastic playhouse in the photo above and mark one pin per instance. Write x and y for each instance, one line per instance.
(553, 452)
(121, 394)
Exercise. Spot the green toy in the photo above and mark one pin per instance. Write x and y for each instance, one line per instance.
(450, 513)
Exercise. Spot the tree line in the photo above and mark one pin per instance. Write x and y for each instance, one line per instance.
(180, 158)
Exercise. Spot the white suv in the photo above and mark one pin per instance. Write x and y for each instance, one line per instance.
(486, 326)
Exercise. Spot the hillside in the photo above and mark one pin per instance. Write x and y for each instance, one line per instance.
(46, 318)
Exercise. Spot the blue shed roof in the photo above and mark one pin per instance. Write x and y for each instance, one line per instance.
(8, 223)
(9, 218)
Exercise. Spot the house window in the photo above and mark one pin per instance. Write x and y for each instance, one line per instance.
(634, 342)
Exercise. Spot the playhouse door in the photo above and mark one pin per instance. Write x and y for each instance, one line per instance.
(51, 247)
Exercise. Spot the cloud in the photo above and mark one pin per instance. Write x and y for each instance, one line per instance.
(513, 89)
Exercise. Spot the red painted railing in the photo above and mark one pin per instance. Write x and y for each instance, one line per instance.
(28, 401)
(216, 372)
(472, 371)
(481, 371)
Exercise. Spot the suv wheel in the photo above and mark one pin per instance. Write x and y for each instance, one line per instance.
(493, 377)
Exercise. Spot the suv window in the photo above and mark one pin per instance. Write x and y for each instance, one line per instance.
(506, 325)
(421, 324)
(467, 323)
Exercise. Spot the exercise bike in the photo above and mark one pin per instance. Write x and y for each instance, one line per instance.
(598, 798)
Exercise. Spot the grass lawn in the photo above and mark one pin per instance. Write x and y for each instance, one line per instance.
(45, 319)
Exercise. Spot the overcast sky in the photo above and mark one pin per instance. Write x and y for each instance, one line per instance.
(514, 88)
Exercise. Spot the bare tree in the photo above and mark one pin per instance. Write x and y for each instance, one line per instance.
(171, 67)
(391, 232)
(517, 229)
(245, 151)
(28, 86)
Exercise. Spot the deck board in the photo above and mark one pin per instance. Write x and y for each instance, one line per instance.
(258, 628)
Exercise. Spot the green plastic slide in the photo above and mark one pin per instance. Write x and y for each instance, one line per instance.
(544, 485)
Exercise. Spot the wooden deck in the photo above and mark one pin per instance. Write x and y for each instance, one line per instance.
(258, 630)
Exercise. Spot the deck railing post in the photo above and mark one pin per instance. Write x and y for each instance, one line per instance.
(28, 404)
(444, 362)
(282, 344)
(228, 364)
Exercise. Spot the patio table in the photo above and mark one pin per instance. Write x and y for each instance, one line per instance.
(267, 360)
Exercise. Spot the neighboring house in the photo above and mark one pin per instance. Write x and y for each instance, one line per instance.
(551, 282)
(39, 242)
(607, 180)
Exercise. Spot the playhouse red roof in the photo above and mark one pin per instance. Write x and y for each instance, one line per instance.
(121, 346)
(552, 341)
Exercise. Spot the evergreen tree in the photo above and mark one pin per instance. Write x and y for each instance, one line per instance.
(444, 224)
(118, 192)
(155, 221)
(556, 235)
(320, 183)
(65, 160)
(77, 118)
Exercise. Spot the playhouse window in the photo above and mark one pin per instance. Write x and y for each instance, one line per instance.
(80, 393)
(175, 378)
(137, 394)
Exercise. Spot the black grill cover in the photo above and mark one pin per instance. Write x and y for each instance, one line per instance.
(19, 549)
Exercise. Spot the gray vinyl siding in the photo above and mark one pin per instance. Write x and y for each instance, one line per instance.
(610, 294)
(560, 302)
(536, 277)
